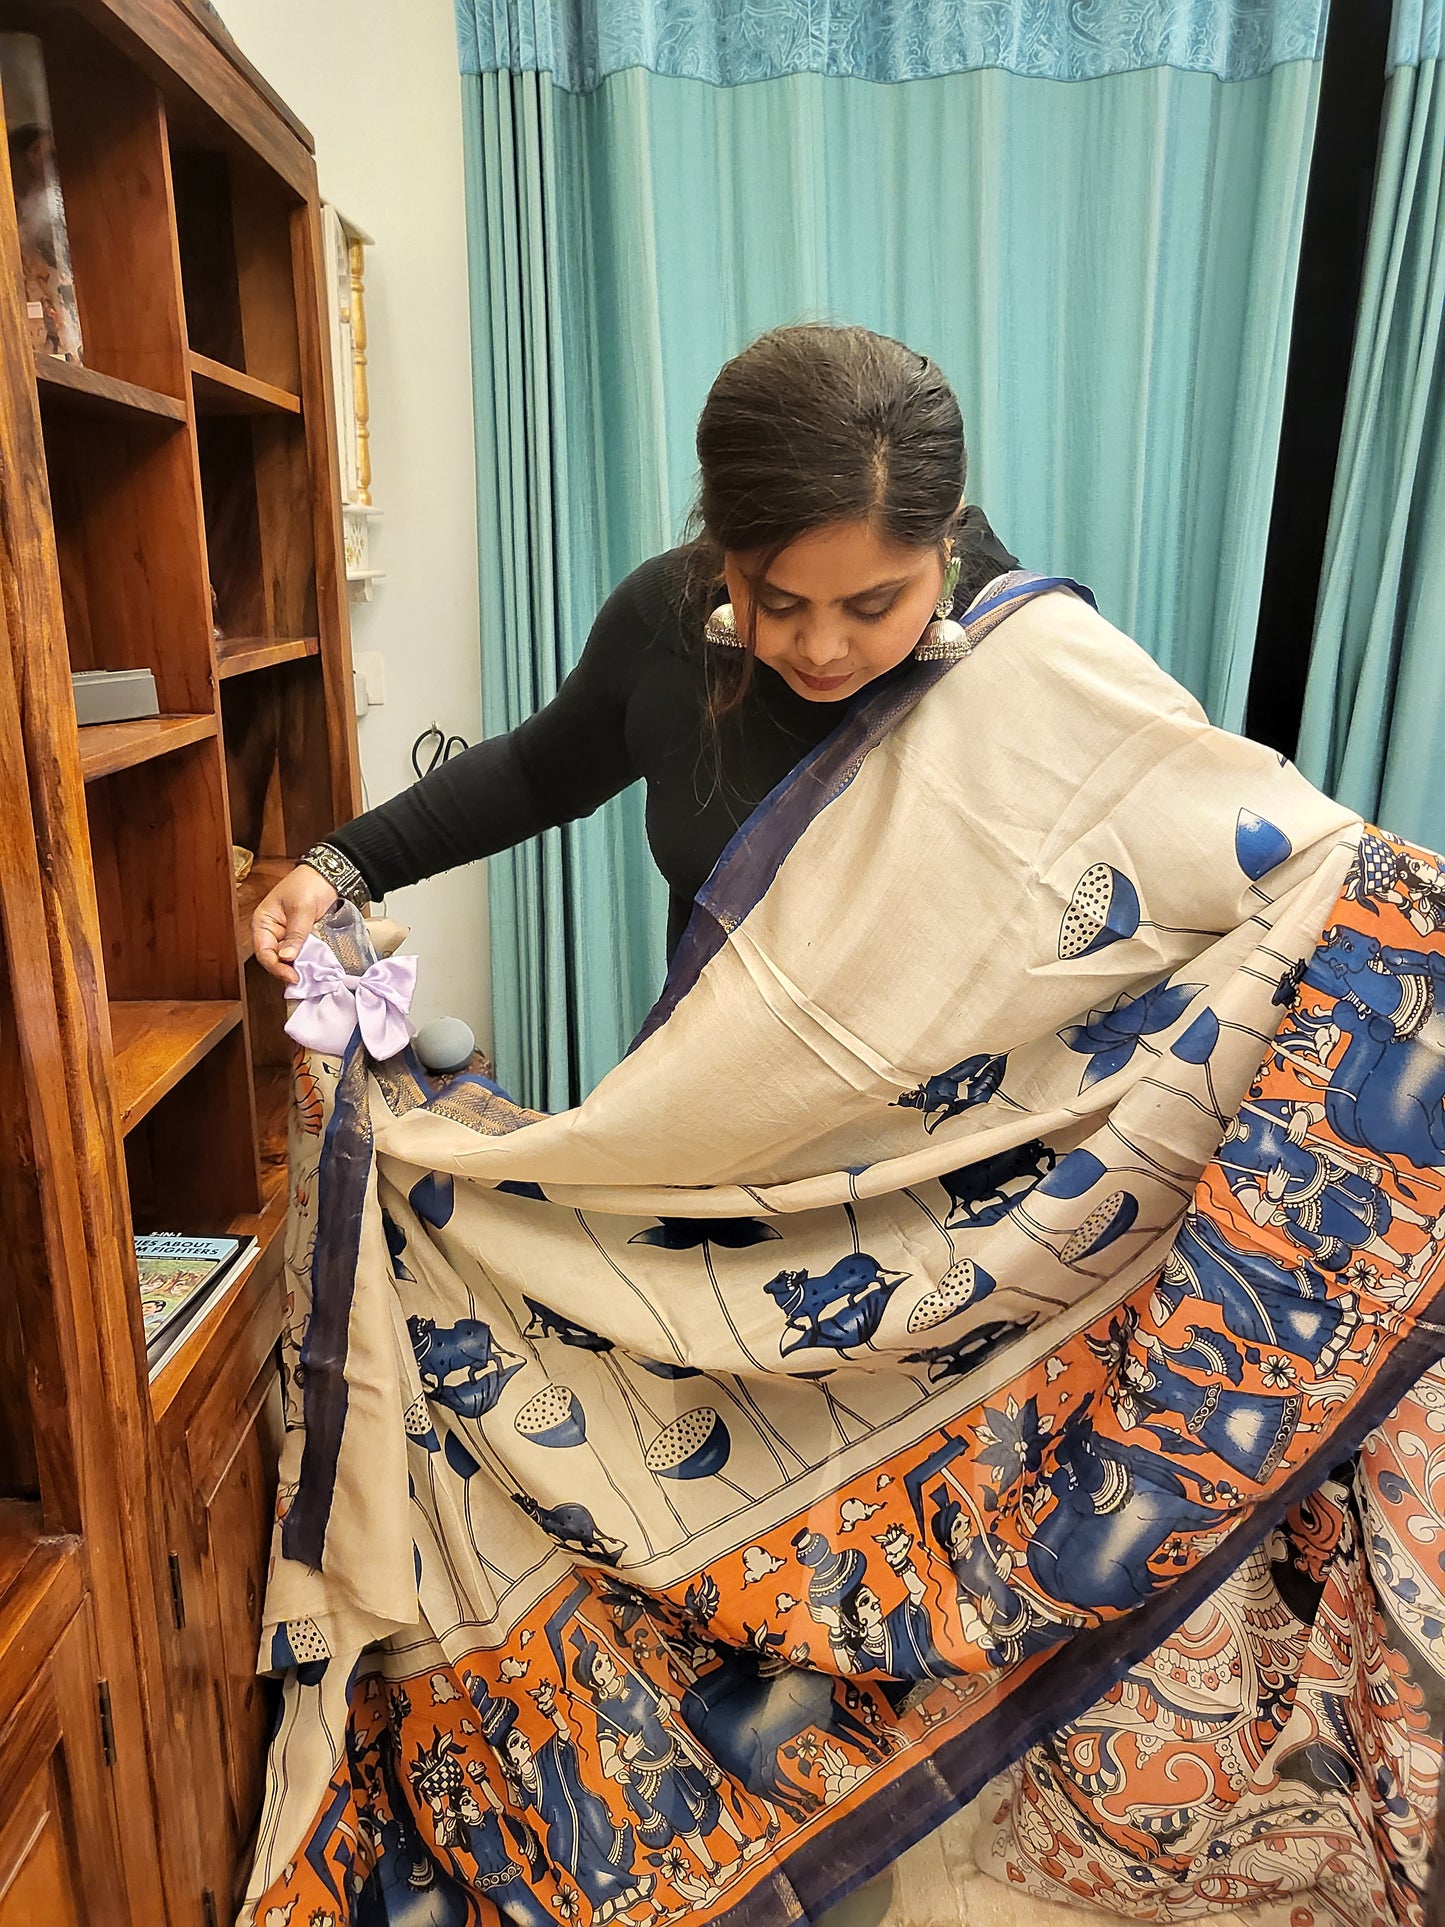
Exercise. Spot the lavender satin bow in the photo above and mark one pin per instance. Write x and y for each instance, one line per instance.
(331, 1003)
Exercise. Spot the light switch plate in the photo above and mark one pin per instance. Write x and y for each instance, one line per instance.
(371, 668)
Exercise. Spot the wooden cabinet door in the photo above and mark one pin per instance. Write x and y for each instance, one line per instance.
(59, 1850)
(241, 1512)
(221, 1474)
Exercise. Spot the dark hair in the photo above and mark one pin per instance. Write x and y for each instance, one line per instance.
(812, 425)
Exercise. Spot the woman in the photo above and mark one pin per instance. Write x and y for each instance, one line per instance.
(833, 524)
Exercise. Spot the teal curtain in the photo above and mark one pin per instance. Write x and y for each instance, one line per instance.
(1104, 265)
(1373, 731)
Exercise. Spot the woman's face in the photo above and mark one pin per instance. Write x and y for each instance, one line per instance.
(837, 608)
(605, 1676)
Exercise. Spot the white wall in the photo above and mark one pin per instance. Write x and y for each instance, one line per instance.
(376, 82)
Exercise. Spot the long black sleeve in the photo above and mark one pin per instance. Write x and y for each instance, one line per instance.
(560, 764)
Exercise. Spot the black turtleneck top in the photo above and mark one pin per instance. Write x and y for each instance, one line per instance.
(635, 708)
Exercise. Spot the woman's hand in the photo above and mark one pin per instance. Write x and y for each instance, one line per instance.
(283, 921)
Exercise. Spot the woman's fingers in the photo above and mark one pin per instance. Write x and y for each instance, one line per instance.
(268, 929)
(299, 921)
(285, 919)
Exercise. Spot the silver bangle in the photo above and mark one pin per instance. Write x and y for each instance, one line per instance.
(339, 871)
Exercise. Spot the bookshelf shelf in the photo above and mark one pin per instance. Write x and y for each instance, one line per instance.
(66, 385)
(20, 1530)
(220, 390)
(106, 748)
(251, 1295)
(156, 1042)
(240, 655)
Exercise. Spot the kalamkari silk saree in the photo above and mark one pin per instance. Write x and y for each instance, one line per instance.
(986, 1331)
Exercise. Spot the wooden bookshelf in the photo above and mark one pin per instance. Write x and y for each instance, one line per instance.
(180, 483)
(155, 1042)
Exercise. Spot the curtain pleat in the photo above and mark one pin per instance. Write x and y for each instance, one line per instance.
(1373, 731)
(1105, 269)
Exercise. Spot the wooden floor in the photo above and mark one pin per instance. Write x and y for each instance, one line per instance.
(939, 1884)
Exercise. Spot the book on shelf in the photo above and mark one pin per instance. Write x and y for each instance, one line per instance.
(50, 307)
(181, 1278)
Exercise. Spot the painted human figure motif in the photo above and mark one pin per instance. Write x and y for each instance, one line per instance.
(1262, 1300)
(1250, 1431)
(581, 1838)
(1330, 1206)
(994, 1614)
(670, 1787)
(863, 1636)
(466, 1816)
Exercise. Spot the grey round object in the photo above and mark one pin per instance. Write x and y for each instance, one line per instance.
(445, 1044)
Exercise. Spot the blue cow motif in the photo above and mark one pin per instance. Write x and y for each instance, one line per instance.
(461, 1366)
(967, 1352)
(979, 1193)
(1115, 1507)
(1263, 1303)
(950, 1093)
(546, 1323)
(840, 1308)
(572, 1526)
(1387, 1092)
(1328, 1207)
(745, 1710)
(688, 1234)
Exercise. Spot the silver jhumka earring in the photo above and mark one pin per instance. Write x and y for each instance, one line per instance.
(944, 640)
(721, 627)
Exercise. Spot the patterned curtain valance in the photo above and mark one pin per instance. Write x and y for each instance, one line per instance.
(1417, 32)
(729, 42)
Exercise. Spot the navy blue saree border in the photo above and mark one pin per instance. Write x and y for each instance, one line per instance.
(341, 1181)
